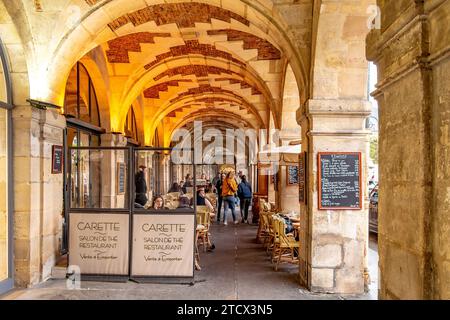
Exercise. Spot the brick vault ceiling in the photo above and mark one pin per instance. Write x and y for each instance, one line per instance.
(188, 57)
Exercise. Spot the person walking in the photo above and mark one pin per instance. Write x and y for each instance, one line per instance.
(141, 186)
(219, 194)
(229, 188)
(245, 195)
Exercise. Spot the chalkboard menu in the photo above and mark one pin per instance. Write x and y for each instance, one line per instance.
(57, 159)
(121, 178)
(340, 181)
(292, 175)
(302, 177)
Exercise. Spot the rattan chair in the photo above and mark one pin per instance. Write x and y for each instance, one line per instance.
(287, 249)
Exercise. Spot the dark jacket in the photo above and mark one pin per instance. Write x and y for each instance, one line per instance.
(141, 185)
(244, 190)
(219, 188)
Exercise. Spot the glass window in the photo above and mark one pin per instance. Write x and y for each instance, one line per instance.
(162, 185)
(80, 100)
(99, 179)
(131, 125)
(3, 91)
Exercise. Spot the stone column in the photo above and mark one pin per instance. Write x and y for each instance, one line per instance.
(412, 52)
(108, 164)
(38, 194)
(287, 196)
(335, 241)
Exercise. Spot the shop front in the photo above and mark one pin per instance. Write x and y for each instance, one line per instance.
(131, 220)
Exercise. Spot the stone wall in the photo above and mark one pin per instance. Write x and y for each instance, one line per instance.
(37, 193)
(412, 54)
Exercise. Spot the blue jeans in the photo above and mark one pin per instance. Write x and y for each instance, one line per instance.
(229, 202)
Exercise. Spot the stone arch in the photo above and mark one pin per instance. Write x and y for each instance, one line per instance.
(143, 81)
(101, 89)
(83, 35)
(33, 131)
(290, 105)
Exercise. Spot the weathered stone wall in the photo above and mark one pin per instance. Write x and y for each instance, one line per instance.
(412, 54)
(439, 22)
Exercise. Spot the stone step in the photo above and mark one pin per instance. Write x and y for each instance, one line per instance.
(58, 273)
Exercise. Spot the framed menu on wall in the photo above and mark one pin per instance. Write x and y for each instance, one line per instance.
(121, 178)
(57, 159)
(291, 175)
(340, 181)
(302, 171)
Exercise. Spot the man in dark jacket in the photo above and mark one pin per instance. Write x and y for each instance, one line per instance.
(141, 187)
(219, 194)
(245, 194)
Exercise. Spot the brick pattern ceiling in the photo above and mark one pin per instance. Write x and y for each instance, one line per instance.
(244, 84)
(218, 80)
(204, 89)
(153, 92)
(119, 47)
(266, 51)
(185, 15)
(193, 69)
(194, 47)
(92, 2)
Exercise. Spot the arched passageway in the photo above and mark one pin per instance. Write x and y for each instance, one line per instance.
(290, 76)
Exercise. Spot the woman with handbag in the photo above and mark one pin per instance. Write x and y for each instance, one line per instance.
(229, 188)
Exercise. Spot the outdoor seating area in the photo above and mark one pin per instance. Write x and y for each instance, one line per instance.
(203, 237)
(279, 234)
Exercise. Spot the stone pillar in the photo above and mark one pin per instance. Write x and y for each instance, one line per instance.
(38, 194)
(335, 242)
(108, 176)
(412, 52)
(287, 196)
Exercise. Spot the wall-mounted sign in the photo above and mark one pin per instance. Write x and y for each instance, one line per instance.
(291, 175)
(121, 178)
(340, 180)
(302, 172)
(57, 159)
(98, 243)
(163, 245)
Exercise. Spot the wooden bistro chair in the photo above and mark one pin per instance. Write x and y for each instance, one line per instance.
(263, 229)
(272, 239)
(204, 219)
(288, 247)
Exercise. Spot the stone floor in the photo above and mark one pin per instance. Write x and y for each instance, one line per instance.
(237, 269)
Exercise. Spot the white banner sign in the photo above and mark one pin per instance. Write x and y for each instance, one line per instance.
(163, 245)
(98, 243)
